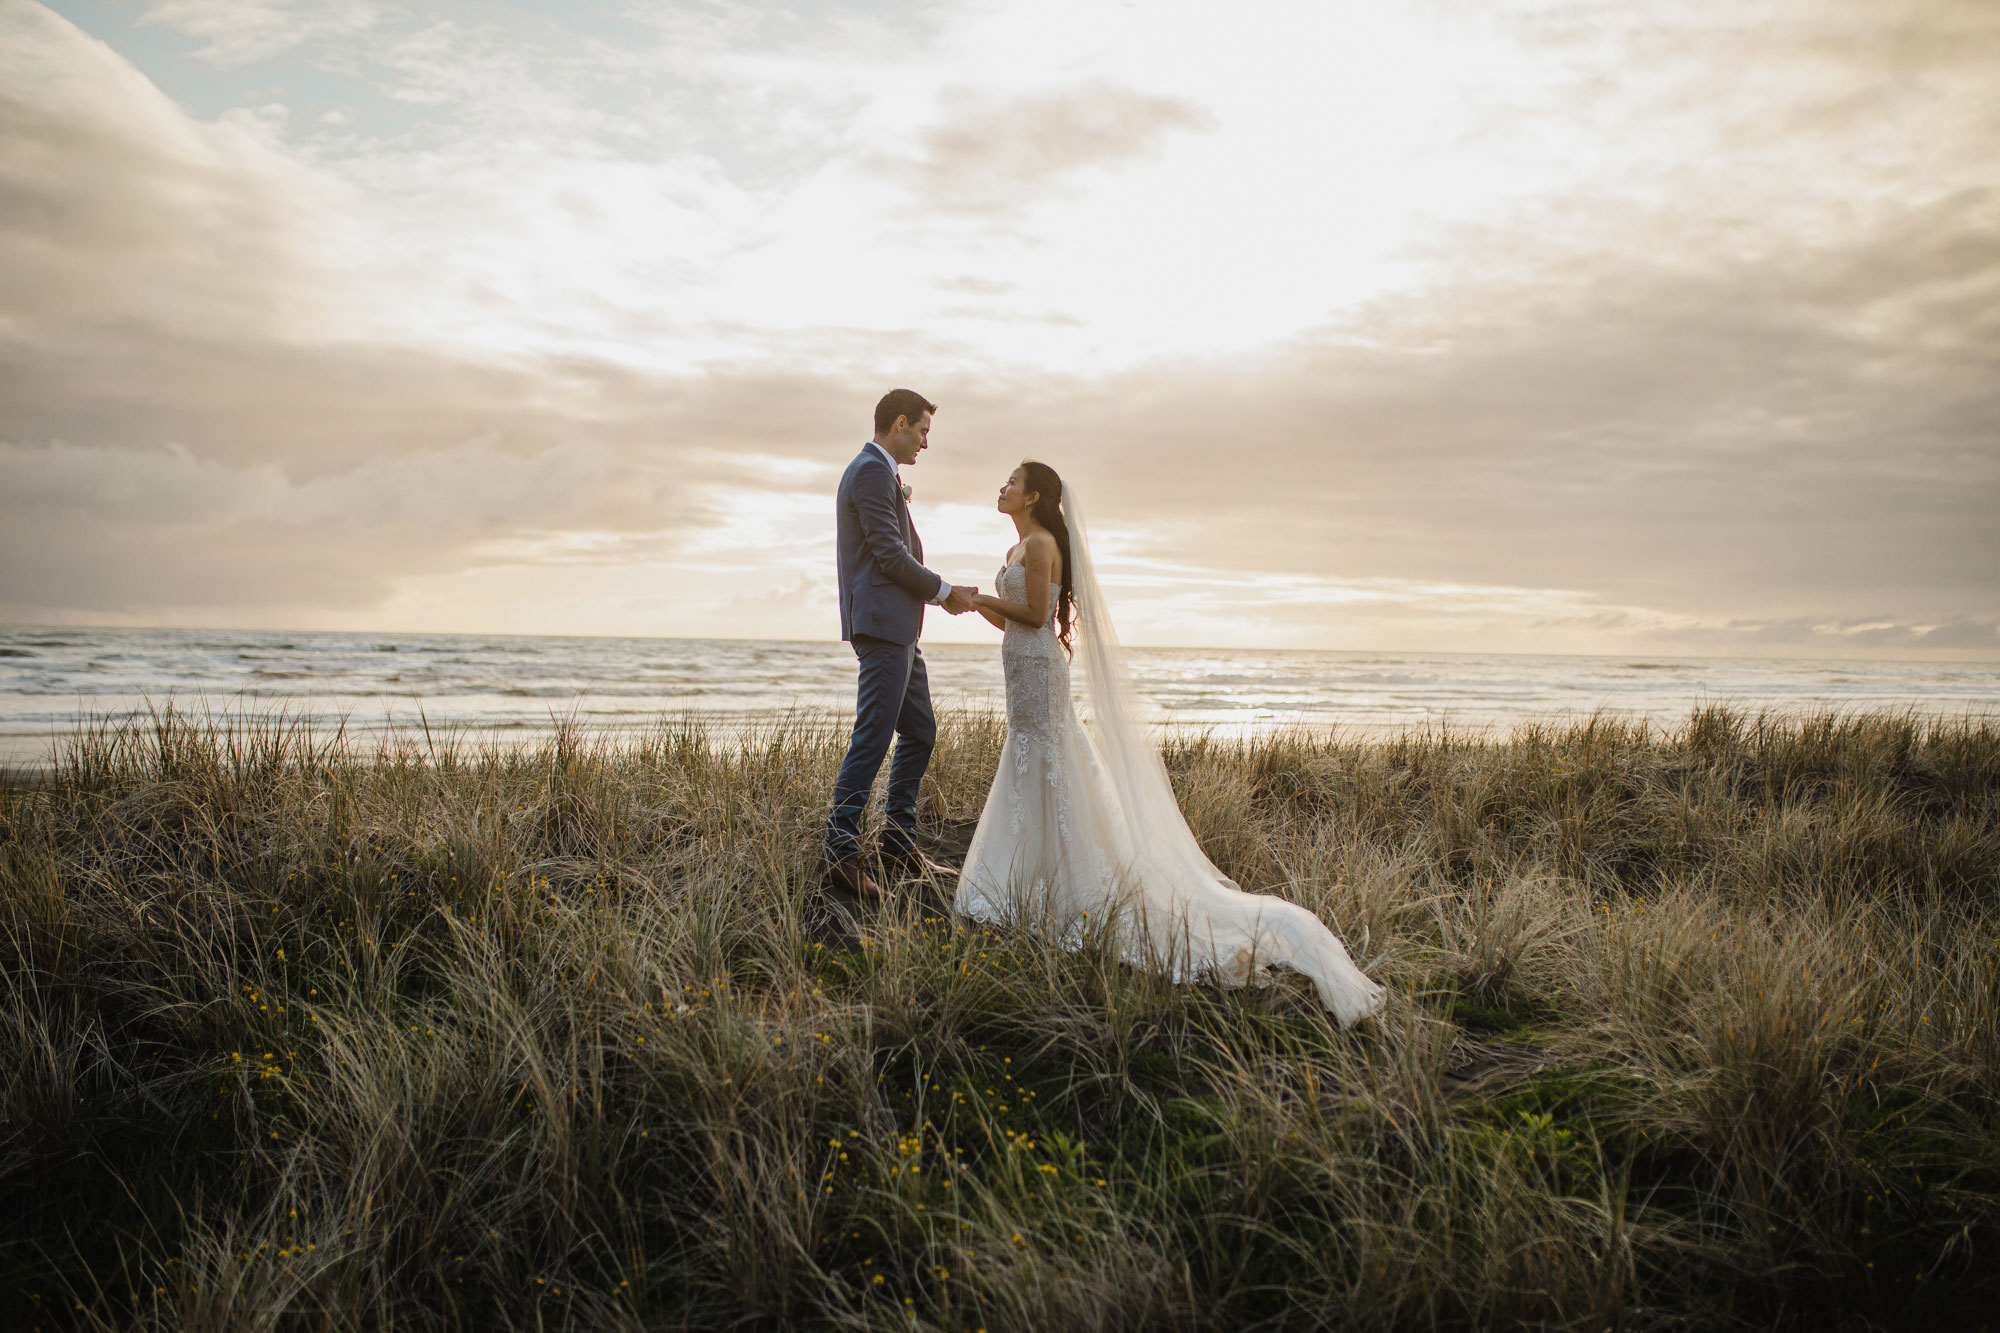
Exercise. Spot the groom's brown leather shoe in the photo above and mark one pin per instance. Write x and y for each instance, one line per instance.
(850, 876)
(911, 861)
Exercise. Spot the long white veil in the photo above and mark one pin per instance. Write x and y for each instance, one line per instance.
(1191, 918)
(1111, 712)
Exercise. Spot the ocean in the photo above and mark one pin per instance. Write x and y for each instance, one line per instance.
(517, 686)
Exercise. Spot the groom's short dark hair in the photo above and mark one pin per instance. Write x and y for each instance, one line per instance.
(900, 403)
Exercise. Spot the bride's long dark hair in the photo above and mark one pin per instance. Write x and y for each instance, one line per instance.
(1041, 481)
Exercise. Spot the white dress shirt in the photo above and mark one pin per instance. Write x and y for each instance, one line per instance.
(944, 589)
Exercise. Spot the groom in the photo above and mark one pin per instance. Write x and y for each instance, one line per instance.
(883, 590)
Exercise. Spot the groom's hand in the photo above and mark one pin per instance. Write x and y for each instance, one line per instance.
(961, 599)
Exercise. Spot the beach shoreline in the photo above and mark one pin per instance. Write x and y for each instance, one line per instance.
(520, 688)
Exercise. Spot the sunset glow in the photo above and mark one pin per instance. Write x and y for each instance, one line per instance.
(1533, 326)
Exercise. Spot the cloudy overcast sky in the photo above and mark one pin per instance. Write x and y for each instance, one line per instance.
(1658, 325)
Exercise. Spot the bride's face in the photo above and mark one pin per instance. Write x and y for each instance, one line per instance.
(1015, 497)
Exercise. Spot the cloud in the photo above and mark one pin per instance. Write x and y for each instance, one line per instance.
(1717, 377)
(999, 154)
(1961, 633)
(1728, 439)
(115, 202)
(238, 32)
(116, 530)
(1878, 636)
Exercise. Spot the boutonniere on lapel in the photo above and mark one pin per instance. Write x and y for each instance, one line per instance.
(907, 492)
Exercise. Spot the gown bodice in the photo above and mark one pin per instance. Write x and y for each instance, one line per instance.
(1012, 585)
(1032, 660)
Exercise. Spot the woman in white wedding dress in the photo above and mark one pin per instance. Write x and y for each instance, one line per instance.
(1081, 830)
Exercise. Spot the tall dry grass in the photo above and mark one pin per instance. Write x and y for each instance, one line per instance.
(1687, 1028)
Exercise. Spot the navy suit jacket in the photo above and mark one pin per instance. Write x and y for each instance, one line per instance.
(884, 586)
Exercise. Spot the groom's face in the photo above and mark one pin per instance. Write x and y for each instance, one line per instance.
(907, 439)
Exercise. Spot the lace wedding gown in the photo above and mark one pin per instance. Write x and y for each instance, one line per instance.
(1081, 831)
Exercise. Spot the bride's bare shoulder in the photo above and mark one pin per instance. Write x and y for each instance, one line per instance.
(1041, 548)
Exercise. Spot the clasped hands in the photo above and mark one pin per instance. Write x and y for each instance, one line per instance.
(961, 599)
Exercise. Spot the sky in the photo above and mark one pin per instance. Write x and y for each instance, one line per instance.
(1663, 326)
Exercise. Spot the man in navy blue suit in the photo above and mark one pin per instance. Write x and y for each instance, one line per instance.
(884, 589)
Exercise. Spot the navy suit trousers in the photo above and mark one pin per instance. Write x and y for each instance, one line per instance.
(893, 697)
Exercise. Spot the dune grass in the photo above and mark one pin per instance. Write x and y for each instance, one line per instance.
(1688, 1027)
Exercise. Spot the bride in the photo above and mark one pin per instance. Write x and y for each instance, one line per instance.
(1081, 828)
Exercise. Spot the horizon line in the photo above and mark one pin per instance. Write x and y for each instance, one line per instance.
(1678, 656)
